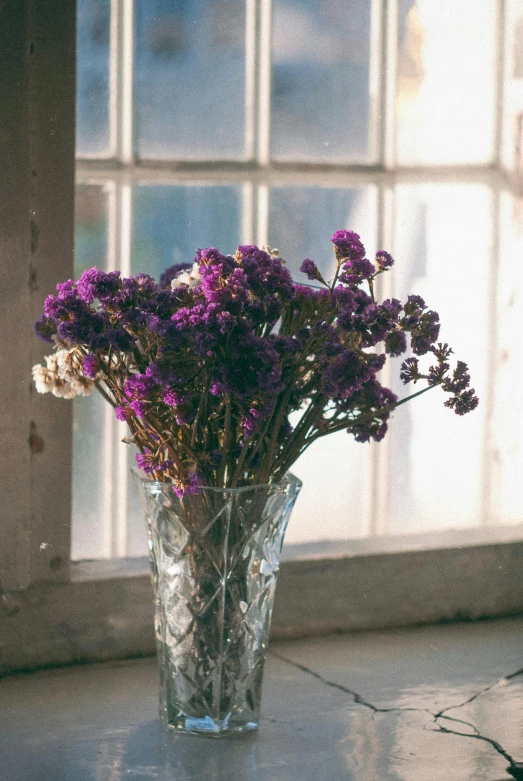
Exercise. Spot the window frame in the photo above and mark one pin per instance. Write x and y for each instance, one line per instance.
(98, 610)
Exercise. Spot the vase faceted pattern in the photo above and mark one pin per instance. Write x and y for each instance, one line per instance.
(215, 558)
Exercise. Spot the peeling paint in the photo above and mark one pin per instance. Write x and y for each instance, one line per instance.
(35, 237)
(36, 443)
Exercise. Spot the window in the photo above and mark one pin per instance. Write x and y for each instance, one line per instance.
(447, 217)
(214, 123)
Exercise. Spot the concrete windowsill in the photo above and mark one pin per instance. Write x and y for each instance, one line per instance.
(105, 610)
(440, 703)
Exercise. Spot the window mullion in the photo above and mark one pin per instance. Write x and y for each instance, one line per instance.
(500, 95)
(122, 65)
(264, 81)
(376, 78)
(492, 351)
(389, 64)
(380, 451)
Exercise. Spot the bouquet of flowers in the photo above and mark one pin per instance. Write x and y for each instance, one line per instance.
(227, 370)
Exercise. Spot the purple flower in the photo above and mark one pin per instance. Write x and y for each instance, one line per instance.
(348, 244)
(187, 486)
(460, 379)
(349, 371)
(384, 260)
(173, 398)
(45, 328)
(123, 413)
(410, 371)
(463, 402)
(310, 268)
(395, 343)
(97, 284)
(139, 408)
(139, 386)
(360, 268)
(91, 366)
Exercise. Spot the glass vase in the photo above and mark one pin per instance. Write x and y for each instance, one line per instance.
(215, 558)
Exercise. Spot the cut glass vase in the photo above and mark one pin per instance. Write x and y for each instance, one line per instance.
(215, 558)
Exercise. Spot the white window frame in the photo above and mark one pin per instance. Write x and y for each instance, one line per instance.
(52, 611)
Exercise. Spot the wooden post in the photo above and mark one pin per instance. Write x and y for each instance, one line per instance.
(37, 99)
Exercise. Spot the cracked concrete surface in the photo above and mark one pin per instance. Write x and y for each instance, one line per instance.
(439, 703)
(515, 768)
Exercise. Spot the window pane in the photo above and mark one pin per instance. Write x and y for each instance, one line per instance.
(445, 98)
(89, 526)
(334, 501)
(512, 151)
(320, 79)
(506, 421)
(170, 222)
(303, 219)
(92, 77)
(190, 78)
(443, 253)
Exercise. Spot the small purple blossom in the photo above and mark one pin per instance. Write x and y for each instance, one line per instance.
(395, 343)
(45, 328)
(463, 402)
(91, 366)
(97, 284)
(348, 244)
(384, 260)
(187, 486)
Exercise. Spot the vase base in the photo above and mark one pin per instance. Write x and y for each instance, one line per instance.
(212, 728)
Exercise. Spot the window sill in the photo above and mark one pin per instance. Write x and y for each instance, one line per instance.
(105, 610)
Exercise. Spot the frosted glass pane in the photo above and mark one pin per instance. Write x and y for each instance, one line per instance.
(506, 420)
(92, 77)
(190, 78)
(89, 513)
(320, 79)
(171, 222)
(442, 250)
(334, 501)
(445, 100)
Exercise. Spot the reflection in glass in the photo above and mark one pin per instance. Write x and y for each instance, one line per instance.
(89, 524)
(190, 78)
(320, 79)
(171, 221)
(334, 501)
(443, 253)
(445, 98)
(92, 77)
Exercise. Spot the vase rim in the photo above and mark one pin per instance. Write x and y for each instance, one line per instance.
(288, 479)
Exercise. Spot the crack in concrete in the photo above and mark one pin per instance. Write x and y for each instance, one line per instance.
(515, 768)
(482, 691)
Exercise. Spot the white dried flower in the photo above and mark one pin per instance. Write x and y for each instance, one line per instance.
(42, 378)
(190, 278)
(82, 386)
(69, 364)
(63, 376)
(272, 252)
